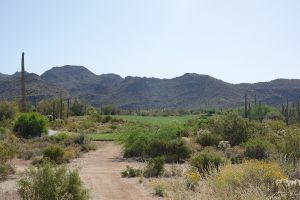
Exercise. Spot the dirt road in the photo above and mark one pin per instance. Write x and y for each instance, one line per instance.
(100, 171)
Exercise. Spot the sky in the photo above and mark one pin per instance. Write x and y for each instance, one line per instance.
(233, 40)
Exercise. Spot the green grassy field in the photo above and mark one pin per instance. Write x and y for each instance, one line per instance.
(102, 136)
(157, 120)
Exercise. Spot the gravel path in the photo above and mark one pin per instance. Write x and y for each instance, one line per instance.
(100, 172)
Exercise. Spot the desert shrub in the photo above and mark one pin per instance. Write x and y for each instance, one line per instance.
(289, 144)
(84, 142)
(80, 139)
(236, 154)
(260, 111)
(130, 172)
(8, 148)
(249, 173)
(192, 178)
(28, 154)
(110, 110)
(156, 147)
(287, 189)
(57, 124)
(135, 140)
(209, 139)
(51, 107)
(70, 153)
(30, 125)
(177, 150)
(274, 115)
(155, 167)
(145, 141)
(49, 181)
(159, 190)
(54, 153)
(256, 149)
(207, 159)
(232, 127)
(8, 110)
(106, 119)
(77, 108)
(60, 136)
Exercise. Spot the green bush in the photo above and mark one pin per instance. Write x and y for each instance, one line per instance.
(177, 150)
(232, 127)
(209, 139)
(155, 167)
(256, 149)
(49, 181)
(8, 110)
(30, 125)
(144, 141)
(207, 159)
(60, 136)
(54, 153)
(106, 119)
(8, 148)
(289, 144)
(159, 190)
(131, 172)
(77, 108)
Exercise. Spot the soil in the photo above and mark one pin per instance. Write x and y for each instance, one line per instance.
(100, 172)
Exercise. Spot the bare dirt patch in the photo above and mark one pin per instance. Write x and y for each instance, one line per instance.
(100, 171)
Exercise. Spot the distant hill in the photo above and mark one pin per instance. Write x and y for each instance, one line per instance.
(36, 88)
(187, 91)
(3, 75)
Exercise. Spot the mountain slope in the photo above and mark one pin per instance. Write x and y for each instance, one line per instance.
(187, 91)
(36, 88)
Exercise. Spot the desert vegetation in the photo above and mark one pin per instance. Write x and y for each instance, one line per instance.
(248, 152)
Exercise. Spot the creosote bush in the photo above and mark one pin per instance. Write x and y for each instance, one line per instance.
(48, 181)
(256, 149)
(232, 127)
(8, 148)
(54, 153)
(209, 139)
(207, 159)
(30, 125)
(155, 167)
(8, 110)
(249, 173)
(130, 172)
(146, 141)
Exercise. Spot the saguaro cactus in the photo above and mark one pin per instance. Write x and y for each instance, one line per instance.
(61, 107)
(298, 109)
(23, 93)
(246, 106)
(68, 107)
(287, 112)
(249, 111)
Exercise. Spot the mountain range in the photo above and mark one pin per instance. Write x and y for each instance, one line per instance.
(188, 91)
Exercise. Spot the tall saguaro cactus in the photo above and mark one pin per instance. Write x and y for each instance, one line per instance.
(287, 112)
(23, 92)
(298, 109)
(246, 106)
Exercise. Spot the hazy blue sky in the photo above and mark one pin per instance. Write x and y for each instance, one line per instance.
(233, 40)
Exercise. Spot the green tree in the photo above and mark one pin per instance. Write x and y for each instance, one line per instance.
(77, 109)
(30, 125)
